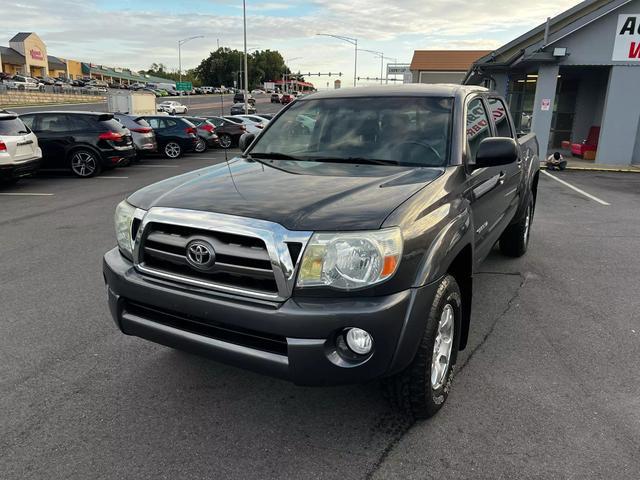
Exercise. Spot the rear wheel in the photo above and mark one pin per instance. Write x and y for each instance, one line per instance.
(423, 387)
(201, 146)
(225, 140)
(515, 239)
(172, 150)
(85, 163)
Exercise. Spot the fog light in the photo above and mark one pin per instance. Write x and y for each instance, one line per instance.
(359, 341)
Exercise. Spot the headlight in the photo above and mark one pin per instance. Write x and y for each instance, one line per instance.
(350, 260)
(124, 220)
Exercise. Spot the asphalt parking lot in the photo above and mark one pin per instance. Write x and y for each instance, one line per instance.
(549, 386)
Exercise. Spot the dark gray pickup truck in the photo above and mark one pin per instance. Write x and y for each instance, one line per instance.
(340, 247)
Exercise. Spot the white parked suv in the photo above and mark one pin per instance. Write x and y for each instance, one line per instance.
(172, 107)
(19, 151)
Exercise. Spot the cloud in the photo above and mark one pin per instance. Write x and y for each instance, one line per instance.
(135, 36)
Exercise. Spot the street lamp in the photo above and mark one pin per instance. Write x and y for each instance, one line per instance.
(180, 43)
(246, 73)
(352, 41)
(377, 54)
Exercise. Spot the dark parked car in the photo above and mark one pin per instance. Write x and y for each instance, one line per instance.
(286, 98)
(229, 133)
(276, 97)
(85, 142)
(175, 135)
(239, 98)
(207, 136)
(238, 109)
(144, 139)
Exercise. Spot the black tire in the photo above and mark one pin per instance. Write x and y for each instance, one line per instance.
(225, 140)
(85, 163)
(201, 146)
(412, 391)
(514, 241)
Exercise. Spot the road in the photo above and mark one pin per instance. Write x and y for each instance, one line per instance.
(198, 105)
(549, 386)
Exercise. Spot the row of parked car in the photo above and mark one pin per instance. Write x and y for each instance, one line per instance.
(87, 143)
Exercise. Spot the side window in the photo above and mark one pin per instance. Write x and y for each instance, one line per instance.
(477, 126)
(78, 123)
(54, 123)
(169, 123)
(28, 120)
(500, 118)
(154, 123)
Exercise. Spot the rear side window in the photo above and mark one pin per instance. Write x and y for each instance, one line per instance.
(12, 127)
(54, 123)
(218, 122)
(154, 123)
(477, 126)
(500, 118)
(81, 123)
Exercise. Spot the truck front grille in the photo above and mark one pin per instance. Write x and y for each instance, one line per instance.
(253, 258)
(241, 261)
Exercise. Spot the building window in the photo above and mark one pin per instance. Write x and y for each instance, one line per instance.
(521, 97)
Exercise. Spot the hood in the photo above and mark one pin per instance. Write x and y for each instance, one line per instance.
(297, 195)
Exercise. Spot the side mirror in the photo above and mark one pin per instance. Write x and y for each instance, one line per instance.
(495, 151)
(245, 140)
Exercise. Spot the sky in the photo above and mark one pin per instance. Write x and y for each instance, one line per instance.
(135, 34)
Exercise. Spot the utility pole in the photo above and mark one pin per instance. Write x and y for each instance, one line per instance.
(246, 74)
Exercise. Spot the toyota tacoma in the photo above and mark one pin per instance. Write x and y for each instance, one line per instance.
(340, 246)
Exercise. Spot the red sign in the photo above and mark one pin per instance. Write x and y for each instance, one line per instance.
(36, 54)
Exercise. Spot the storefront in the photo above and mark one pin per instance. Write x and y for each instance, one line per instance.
(34, 53)
(573, 81)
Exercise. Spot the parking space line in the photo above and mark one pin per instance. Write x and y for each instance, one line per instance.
(24, 194)
(153, 166)
(582, 192)
(110, 177)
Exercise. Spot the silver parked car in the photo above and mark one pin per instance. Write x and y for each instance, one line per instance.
(19, 151)
(144, 139)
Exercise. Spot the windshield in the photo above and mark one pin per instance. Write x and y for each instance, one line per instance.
(411, 131)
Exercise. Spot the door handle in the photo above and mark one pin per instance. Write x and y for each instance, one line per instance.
(501, 177)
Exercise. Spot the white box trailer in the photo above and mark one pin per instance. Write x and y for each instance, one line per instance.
(133, 103)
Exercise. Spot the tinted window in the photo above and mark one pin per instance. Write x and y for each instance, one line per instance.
(169, 122)
(477, 126)
(81, 123)
(500, 118)
(53, 122)
(12, 127)
(403, 130)
(27, 120)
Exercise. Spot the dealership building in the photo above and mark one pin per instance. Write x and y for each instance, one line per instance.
(27, 55)
(574, 81)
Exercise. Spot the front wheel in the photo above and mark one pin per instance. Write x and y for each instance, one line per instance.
(225, 140)
(514, 241)
(85, 163)
(172, 150)
(423, 387)
(201, 146)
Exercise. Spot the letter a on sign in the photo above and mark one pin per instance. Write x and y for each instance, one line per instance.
(626, 47)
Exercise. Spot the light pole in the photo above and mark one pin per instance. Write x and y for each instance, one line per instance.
(246, 73)
(379, 55)
(287, 75)
(352, 41)
(180, 43)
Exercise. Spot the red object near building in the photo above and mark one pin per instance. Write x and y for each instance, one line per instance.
(588, 145)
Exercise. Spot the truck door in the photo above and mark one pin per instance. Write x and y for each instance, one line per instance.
(485, 185)
(503, 127)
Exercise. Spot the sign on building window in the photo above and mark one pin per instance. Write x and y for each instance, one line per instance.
(627, 45)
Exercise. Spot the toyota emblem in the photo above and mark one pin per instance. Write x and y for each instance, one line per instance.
(201, 255)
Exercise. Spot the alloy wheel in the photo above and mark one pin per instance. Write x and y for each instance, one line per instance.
(442, 347)
(225, 141)
(200, 146)
(172, 150)
(83, 164)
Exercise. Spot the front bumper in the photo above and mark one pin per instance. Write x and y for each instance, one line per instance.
(294, 340)
(20, 169)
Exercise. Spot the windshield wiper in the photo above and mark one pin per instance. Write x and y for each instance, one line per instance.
(361, 160)
(274, 156)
